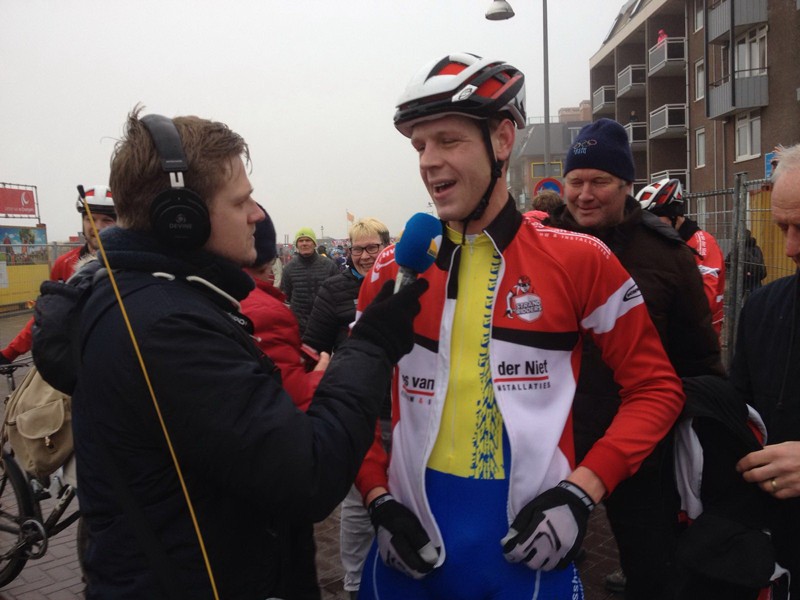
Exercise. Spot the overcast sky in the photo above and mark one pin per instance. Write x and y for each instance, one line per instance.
(310, 84)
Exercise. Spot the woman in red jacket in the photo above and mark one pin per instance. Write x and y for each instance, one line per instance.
(277, 333)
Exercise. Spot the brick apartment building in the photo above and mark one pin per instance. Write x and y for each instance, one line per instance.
(711, 99)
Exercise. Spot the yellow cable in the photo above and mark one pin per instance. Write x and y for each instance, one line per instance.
(155, 401)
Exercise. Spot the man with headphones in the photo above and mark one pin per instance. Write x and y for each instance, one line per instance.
(189, 453)
(481, 497)
(101, 206)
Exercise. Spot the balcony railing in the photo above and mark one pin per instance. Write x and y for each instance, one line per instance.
(747, 90)
(637, 134)
(746, 13)
(679, 174)
(603, 100)
(631, 81)
(667, 58)
(668, 121)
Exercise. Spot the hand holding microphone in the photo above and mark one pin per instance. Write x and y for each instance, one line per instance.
(388, 320)
(417, 248)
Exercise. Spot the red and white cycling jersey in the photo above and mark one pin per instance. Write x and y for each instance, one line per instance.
(577, 288)
(711, 264)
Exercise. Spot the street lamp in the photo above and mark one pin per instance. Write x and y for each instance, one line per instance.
(501, 10)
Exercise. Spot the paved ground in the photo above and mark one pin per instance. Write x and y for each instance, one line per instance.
(56, 576)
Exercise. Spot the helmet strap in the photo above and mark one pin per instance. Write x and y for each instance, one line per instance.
(497, 171)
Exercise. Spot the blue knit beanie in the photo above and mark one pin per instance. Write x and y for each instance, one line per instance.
(602, 145)
(266, 250)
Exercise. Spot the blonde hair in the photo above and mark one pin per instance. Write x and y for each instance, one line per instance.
(369, 226)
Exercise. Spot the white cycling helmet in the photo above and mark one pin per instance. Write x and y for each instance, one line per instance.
(99, 200)
(463, 84)
(663, 198)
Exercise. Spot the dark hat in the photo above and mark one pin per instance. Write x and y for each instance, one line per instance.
(265, 241)
(602, 145)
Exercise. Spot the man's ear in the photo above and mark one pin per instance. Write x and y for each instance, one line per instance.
(503, 139)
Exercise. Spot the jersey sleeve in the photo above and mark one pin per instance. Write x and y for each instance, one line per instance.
(651, 393)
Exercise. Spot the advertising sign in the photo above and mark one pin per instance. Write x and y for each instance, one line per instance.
(17, 202)
(23, 245)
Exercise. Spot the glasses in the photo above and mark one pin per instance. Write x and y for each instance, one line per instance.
(370, 249)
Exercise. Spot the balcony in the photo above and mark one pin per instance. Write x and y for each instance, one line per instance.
(746, 14)
(638, 185)
(668, 121)
(679, 174)
(746, 91)
(667, 58)
(603, 100)
(632, 81)
(637, 135)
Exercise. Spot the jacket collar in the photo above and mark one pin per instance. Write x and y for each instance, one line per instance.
(618, 236)
(502, 230)
(139, 251)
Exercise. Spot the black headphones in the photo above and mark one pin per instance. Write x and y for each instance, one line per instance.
(178, 216)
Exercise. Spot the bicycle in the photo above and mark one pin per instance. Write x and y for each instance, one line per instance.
(24, 529)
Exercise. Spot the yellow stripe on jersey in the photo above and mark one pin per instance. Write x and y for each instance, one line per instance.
(470, 441)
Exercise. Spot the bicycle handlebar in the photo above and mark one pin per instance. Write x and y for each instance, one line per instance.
(11, 367)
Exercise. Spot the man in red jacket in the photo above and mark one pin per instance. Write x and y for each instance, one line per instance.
(101, 205)
(665, 200)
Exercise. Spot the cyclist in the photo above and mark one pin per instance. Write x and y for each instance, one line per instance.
(101, 205)
(665, 200)
(482, 436)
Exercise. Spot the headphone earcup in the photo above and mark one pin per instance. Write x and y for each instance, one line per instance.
(179, 219)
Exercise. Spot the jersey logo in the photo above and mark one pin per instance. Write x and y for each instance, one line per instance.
(384, 259)
(631, 293)
(522, 302)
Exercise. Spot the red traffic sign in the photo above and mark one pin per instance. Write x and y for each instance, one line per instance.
(549, 183)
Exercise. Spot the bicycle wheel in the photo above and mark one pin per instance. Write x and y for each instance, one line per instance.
(16, 506)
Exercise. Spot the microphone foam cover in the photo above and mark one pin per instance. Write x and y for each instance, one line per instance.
(419, 243)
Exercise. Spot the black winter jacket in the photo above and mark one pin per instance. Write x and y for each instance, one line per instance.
(249, 457)
(334, 310)
(764, 369)
(300, 281)
(663, 267)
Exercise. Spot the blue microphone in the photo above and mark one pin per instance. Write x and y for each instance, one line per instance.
(417, 248)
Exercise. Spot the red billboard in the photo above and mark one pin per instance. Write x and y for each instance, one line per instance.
(17, 202)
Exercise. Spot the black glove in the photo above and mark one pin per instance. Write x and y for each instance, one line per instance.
(3, 360)
(549, 530)
(388, 320)
(402, 541)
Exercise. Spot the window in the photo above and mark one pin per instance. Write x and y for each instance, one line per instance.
(537, 169)
(699, 15)
(748, 135)
(700, 147)
(699, 80)
(751, 53)
(573, 133)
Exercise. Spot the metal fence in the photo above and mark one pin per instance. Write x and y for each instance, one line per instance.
(728, 214)
(25, 267)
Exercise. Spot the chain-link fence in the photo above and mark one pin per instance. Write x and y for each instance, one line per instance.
(740, 219)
